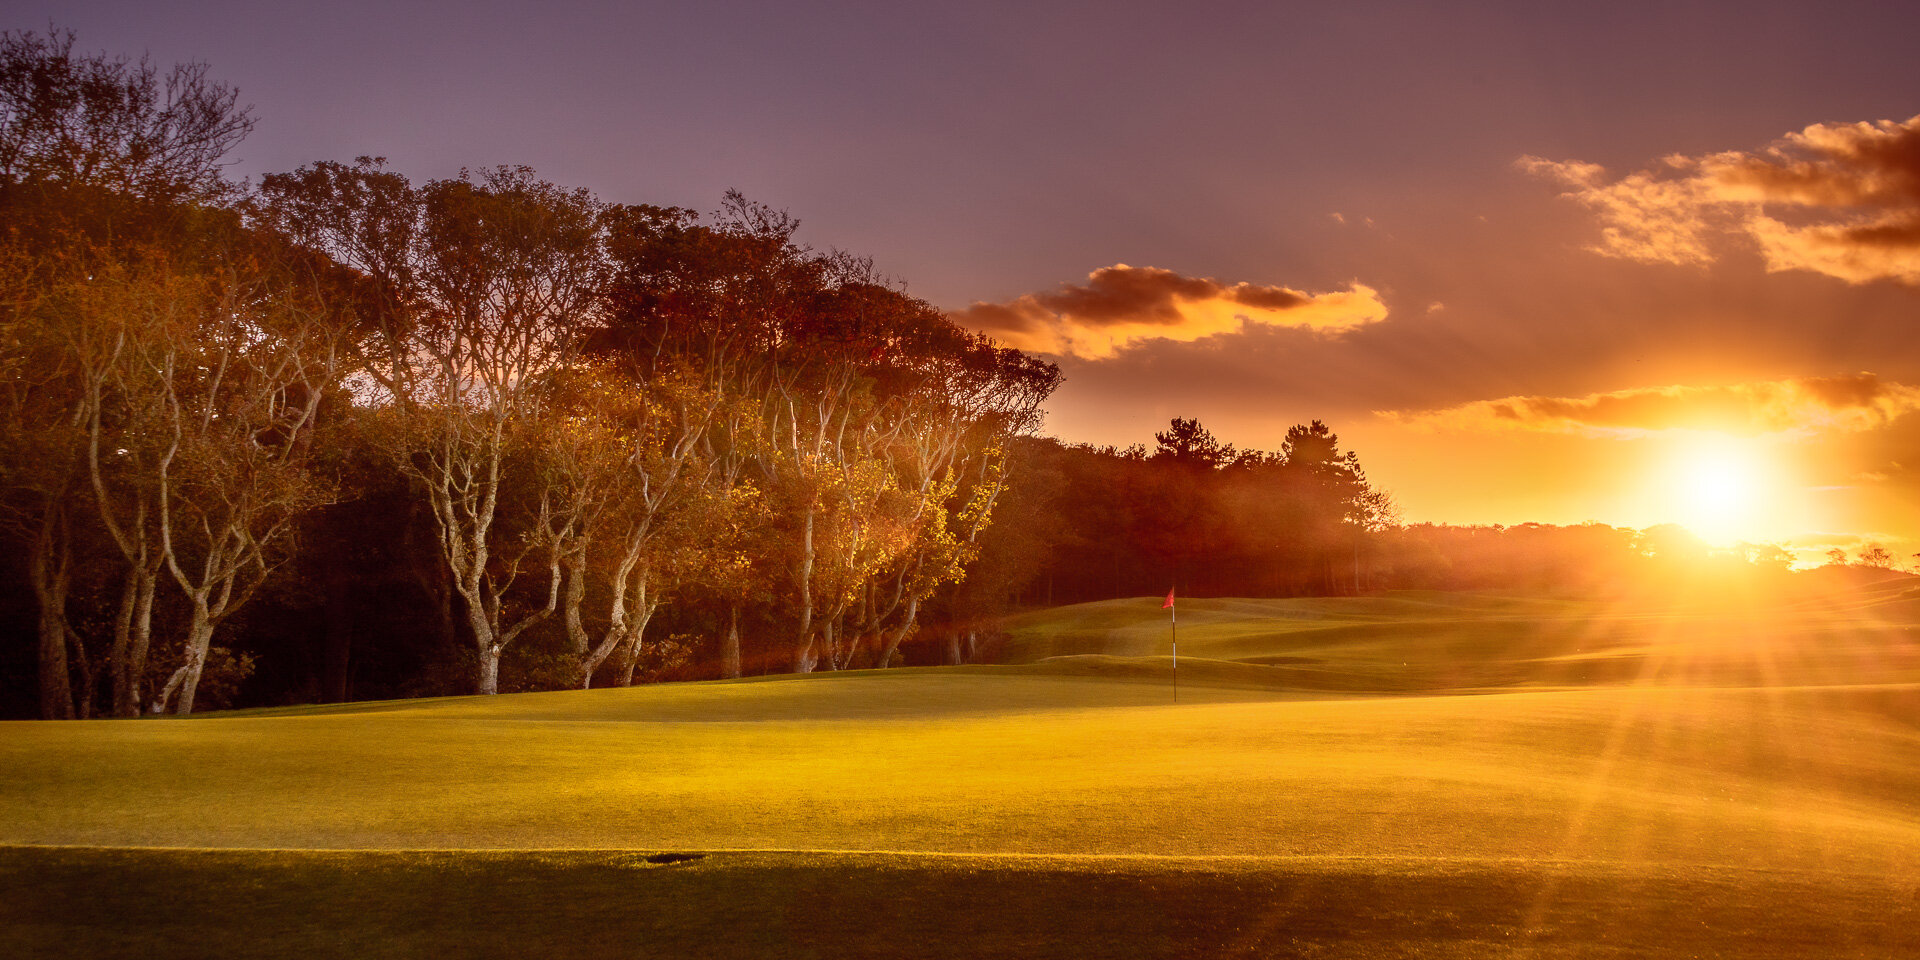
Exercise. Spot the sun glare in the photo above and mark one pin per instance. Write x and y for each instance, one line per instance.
(1718, 490)
(1719, 487)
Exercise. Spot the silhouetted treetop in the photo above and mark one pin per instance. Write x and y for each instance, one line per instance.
(78, 120)
(1188, 444)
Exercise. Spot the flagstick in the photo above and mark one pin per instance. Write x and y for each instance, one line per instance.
(1173, 621)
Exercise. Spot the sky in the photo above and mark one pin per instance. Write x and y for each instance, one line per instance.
(1629, 263)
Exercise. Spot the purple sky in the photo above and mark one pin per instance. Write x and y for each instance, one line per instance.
(988, 152)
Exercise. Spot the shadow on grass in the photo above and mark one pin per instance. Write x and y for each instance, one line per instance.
(84, 902)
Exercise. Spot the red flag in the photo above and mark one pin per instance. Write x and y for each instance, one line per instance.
(1169, 602)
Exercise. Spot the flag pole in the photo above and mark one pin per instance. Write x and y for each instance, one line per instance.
(1173, 623)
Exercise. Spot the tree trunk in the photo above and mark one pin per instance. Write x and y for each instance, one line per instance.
(486, 678)
(56, 693)
(199, 638)
(730, 645)
(893, 642)
(487, 674)
(161, 702)
(132, 632)
(48, 568)
(125, 699)
(84, 708)
(639, 633)
(598, 655)
(803, 655)
(483, 604)
(617, 625)
(575, 598)
(588, 656)
(953, 647)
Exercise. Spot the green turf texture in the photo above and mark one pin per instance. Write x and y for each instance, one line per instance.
(611, 904)
(1412, 775)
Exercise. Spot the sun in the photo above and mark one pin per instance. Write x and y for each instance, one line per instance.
(1718, 489)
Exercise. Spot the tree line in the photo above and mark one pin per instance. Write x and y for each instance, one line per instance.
(1197, 515)
(1194, 514)
(558, 413)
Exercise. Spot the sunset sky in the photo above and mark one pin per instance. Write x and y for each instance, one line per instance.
(1633, 264)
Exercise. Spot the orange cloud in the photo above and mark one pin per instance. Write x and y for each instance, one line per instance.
(1644, 216)
(1805, 406)
(1120, 306)
(1837, 199)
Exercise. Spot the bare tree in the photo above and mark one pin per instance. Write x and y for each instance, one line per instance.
(239, 395)
(88, 120)
(636, 445)
(201, 383)
(103, 161)
(510, 267)
(477, 293)
(114, 408)
(969, 400)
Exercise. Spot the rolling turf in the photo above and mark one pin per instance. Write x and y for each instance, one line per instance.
(1410, 775)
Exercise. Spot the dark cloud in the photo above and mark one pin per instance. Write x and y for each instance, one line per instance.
(1268, 298)
(1833, 165)
(1121, 305)
(1120, 294)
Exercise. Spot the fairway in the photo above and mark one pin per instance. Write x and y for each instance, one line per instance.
(1409, 775)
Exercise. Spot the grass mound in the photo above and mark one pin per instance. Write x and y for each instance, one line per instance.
(1453, 642)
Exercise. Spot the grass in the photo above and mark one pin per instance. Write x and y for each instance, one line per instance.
(596, 903)
(1416, 775)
